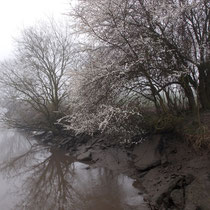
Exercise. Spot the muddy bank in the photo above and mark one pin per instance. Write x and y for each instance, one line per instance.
(34, 177)
(169, 173)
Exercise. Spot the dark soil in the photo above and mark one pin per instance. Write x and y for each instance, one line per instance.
(169, 172)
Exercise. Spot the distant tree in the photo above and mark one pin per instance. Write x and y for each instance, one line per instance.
(38, 72)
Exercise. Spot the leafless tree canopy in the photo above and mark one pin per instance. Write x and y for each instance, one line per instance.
(131, 55)
(38, 72)
(154, 52)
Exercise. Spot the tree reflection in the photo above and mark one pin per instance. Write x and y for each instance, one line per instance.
(47, 183)
(53, 180)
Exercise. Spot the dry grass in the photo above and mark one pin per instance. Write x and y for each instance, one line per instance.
(197, 131)
(162, 123)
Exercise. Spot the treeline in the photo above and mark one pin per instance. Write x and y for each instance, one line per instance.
(117, 63)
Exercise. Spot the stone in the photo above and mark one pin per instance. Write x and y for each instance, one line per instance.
(177, 197)
(197, 193)
(88, 148)
(38, 133)
(165, 190)
(86, 156)
(148, 154)
(189, 179)
(103, 147)
(164, 160)
(173, 151)
(179, 167)
(190, 206)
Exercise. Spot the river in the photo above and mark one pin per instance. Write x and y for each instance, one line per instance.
(35, 177)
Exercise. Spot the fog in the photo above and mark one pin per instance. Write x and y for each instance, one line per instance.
(16, 15)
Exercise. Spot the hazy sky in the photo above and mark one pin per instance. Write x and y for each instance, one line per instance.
(17, 14)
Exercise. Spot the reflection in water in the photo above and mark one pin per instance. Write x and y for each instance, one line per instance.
(47, 179)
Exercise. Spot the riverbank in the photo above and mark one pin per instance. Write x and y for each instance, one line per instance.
(169, 172)
(36, 176)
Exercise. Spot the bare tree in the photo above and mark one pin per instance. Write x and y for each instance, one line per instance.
(156, 40)
(139, 51)
(38, 71)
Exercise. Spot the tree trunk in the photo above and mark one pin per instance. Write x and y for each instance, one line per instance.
(185, 83)
(204, 86)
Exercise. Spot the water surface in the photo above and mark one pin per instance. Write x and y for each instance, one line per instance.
(34, 177)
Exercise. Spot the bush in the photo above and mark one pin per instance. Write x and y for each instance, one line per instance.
(162, 123)
(196, 130)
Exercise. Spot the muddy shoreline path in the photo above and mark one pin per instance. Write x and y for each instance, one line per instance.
(160, 173)
(169, 172)
(36, 176)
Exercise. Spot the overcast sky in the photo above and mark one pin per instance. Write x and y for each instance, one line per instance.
(17, 14)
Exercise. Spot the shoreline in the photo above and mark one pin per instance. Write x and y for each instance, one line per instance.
(169, 173)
